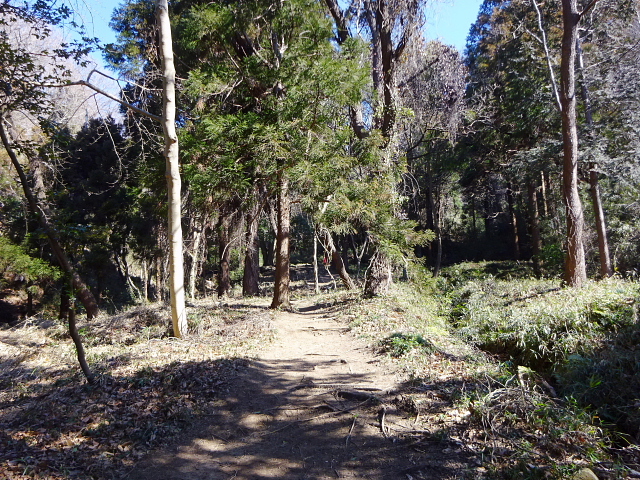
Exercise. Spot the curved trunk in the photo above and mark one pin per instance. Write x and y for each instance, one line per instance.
(75, 336)
(336, 259)
(82, 291)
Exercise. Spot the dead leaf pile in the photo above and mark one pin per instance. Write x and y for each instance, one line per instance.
(55, 426)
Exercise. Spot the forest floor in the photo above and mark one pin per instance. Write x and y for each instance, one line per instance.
(315, 393)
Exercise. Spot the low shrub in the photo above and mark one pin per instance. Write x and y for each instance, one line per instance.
(585, 340)
(399, 344)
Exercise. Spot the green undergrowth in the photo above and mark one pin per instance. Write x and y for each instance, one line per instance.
(584, 341)
(407, 324)
(514, 417)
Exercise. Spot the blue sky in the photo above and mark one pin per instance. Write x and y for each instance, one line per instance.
(448, 20)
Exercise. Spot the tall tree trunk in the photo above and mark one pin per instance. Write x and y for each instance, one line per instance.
(601, 227)
(543, 192)
(514, 223)
(196, 254)
(145, 281)
(316, 283)
(534, 221)
(438, 231)
(224, 244)
(160, 290)
(171, 151)
(336, 260)
(575, 265)
(606, 270)
(283, 214)
(80, 288)
(251, 276)
(487, 218)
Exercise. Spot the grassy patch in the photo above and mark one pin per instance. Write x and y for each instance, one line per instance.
(586, 341)
(399, 344)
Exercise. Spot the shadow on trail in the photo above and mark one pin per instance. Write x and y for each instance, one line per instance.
(271, 424)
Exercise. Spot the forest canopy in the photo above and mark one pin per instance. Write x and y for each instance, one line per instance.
(305, 123)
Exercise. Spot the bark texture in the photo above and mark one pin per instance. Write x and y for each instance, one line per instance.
(601, 227)
(283, 214)
(336, 259)
(171, 151)
(575, 264)
(379, 278)
(251, 276)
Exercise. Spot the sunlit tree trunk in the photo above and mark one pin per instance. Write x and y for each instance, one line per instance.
(199, 228)
(514, 223)
(77, 341)
(601, 227)
(176, 261)
(283, 220)
(575, 264)
(316, 282)
(378, 279)
(534, 224)
(224, 249)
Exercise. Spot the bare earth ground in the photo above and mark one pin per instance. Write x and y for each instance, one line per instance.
(257, 394)
(315, 404)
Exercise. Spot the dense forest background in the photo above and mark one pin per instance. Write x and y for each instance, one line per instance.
(474, 215)
(316, 130)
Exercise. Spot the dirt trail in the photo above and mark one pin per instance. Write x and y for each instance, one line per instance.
(312, 406)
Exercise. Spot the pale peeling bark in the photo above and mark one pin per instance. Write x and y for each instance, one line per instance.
(575, 264)
(176, 261)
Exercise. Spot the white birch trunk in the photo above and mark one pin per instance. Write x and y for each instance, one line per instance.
(176, 267)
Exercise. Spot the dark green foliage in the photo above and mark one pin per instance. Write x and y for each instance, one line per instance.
(96, 202)
(16, 262)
